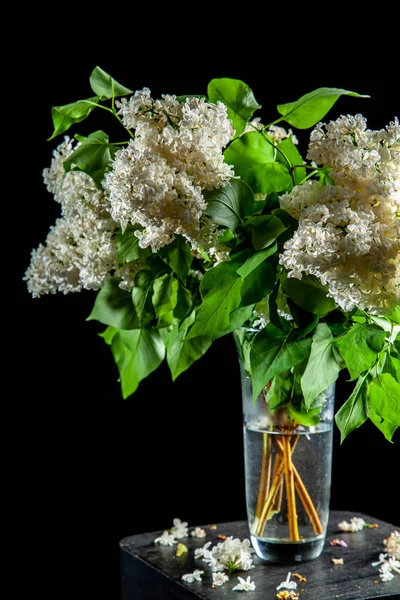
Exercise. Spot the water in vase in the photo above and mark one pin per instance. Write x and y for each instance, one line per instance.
(277, 533)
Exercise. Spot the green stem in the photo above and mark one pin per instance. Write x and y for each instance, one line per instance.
(309, 176)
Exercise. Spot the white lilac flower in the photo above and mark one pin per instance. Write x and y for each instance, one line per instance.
(79, 252)
(348, 234)
(279, 133)
(360, 159)
(356, 524)
(394, 564)
(287, 584)
(354, 252)
(157, 180)
(192, 577)
(392, 544)
(385, 572)
(203, 552)
(382, 559)
(180, 529)
(166, 539)
(219, 578)
(244, 585)
(232, 554)
(198, 532)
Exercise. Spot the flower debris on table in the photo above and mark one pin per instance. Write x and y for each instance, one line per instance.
(388, 562)
(192, 577)
(337, 561)
(244, 585)
(231, 555)
(181, 549)
(338, 542)
(219, 578)
(198, 532)
(287, 584)
(285, 595)
(166, 539)
(392, 544)
(356, 524)
(180, 529)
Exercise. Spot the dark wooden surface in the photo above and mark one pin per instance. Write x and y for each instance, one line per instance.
(150, 571)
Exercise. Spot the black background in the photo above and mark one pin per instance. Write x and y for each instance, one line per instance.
(95, 468)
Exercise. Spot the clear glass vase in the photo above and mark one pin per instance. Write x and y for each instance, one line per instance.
(287, 471)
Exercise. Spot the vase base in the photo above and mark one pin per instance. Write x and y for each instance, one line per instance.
(287, 552)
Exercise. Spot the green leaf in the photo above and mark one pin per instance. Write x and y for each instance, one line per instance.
(237, 318)
(290, 223)
(383, 397)
(220, 289)
(353, 412)
(137, 353)
(165, 298)
(108, 334)
(359, 347)
(228, 205)
(388, 429)
(92, 156)
(127, 245)
(307, 418)
(312, 107)
(305, 320)
(395, 362)
(256, 259)
(323, 366)
(272, 353)
(142, 295)
(185, 302)
(69, 114)
(279, 391)
(113, 306)
(238, 98)
(178, 256)
(258, 284)
(289, 155)
(309, 294)
(250, 149)
(264, 230)
(181, 353)
(105, 86)
(253, 159)
(394, 315)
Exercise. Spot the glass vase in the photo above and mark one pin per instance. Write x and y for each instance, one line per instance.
(287, 471)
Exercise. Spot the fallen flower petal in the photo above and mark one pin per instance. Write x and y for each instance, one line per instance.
(338, 542)
(180, 529)
(244, 585)
(356, 524)
(287, 584)
(386, 576)
(200, 552)
(192, 577)
(337, 561)
(392, 544)
(198, 532)
(219, 578)
(166, 539)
